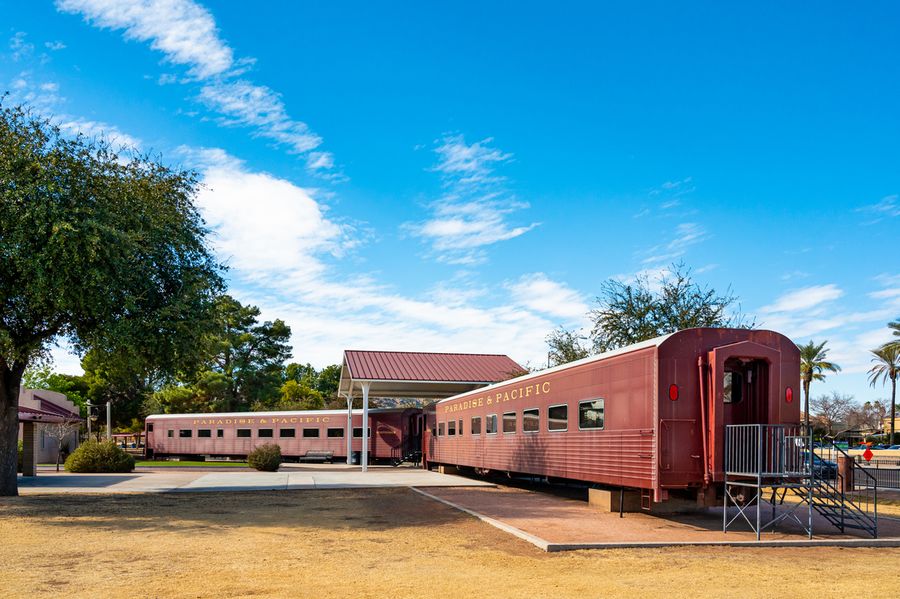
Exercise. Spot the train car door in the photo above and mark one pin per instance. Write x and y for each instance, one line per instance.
(745, 391)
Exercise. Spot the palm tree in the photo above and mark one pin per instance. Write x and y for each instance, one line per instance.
(887, 368)
(896, 326)
(813, 365)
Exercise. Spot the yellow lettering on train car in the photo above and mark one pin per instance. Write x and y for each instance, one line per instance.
(546, 387)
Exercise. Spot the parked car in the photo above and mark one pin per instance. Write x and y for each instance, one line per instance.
(822, 468)
(894, 447)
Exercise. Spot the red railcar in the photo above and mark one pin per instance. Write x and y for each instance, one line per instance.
(394, 432)
(649, 416)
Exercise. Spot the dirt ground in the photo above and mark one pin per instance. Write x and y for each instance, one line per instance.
(370, 543)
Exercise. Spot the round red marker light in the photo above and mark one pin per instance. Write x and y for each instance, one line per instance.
(673, 392)
(789, 395)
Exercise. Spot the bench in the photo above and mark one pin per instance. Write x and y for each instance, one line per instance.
(317, 455)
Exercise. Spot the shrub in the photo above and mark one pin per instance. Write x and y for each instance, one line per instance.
(21, 457)
(102, 456)
(265, 457)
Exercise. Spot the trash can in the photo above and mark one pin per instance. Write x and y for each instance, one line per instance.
(355, 457)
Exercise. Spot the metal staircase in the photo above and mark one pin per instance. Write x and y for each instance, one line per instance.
(777, 458)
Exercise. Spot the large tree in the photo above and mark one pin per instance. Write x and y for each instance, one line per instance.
(103, 250)
(887, 368)
(813, 366)
(831, 410)
(565, 346)
(646, 307)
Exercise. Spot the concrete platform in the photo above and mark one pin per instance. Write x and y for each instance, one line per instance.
(556, 524)
(161, 481)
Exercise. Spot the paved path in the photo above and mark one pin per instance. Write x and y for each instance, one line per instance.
(160, 481)
(556, 524)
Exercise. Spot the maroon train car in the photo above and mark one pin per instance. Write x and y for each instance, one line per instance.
(393, 432)
(649, 416)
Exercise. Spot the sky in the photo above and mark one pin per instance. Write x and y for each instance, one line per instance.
(464, 176)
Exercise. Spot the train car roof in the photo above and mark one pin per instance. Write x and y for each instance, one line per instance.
(271, 414)
(655, 342)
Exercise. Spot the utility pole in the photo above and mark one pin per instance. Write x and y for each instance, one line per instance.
(89, 414)
(109, 421)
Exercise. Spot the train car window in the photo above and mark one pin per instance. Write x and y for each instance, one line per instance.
(509, 423)
(170, 433)
(185, 433)
(531, 420)
(733, 387)
(440, 429)
(335, 433)
(558, 418)
(150, 427)
(459, 428)
(287, 433)
(220, 433)
(265, 432)
(204, 432)
(451, 428)
(476, 425)
(357, 432)
(490, 424)
(310, 433)
(243, 433)
(590, 414)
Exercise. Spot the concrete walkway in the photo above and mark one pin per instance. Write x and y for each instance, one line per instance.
(556, 524)
(162, 481)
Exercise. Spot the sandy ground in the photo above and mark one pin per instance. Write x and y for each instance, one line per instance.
(370, 543)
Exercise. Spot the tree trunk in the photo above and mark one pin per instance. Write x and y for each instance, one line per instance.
(58, 452)
(10, 381)
(806, 417)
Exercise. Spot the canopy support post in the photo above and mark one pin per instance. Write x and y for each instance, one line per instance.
(365, 427)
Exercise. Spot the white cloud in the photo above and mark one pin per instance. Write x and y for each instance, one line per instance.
(887, 207)
(55, 46)
(475, 209)
(181, 29)
(99, 130)
(281, 242)
(539, 293)
(19, 47)
(186, 33)
(247, 104)
(804, 299)
(685, 235)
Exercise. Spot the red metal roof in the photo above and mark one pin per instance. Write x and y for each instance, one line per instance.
(26, 413)
(422, 366)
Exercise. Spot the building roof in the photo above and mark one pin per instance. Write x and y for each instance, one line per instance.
(35, 415)
(422, 374)
(421, 366)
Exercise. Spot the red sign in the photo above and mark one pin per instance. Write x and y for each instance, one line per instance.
(867, 454)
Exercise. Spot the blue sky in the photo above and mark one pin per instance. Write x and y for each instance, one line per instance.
(463, 177)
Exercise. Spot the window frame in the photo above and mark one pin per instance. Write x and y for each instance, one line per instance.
(170, 433)
(311, 429)
(451, 428)
(549, 420)
(440, 429)
(271, 434)
(515, 422)
(281, 432)
(220, 433)
(238, 432)
(538, 429)
(149, 427)
(328, 434)
(208, 434)
(472, 426)
(459, 427)
(603, 407)
(189, 435)
(492, 418)
(359, 428)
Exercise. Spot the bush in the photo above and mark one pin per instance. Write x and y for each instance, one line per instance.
(103, 456)
(265, 457)
(21, 457)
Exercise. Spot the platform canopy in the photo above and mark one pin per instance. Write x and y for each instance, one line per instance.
(56, 415)
(418, 375)
(421, 375)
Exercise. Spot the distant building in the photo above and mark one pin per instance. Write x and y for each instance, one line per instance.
(887, 424)
(44, 408)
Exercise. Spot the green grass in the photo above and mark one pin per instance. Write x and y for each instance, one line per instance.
(173, 464)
